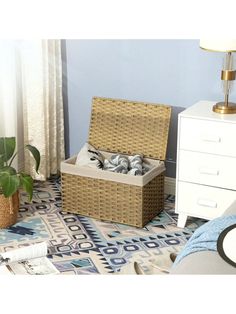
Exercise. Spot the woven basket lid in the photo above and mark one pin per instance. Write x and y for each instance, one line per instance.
(129, 127)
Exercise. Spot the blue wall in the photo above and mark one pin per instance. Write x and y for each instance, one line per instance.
(173, 72)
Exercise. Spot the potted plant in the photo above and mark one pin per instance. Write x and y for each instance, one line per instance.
(11, 180)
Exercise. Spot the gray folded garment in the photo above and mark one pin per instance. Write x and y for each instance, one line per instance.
(132, 165)
(108, 165)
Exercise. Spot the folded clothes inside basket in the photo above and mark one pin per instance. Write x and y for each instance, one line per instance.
(134, 165)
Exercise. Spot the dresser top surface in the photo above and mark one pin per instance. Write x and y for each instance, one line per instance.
(203, 110)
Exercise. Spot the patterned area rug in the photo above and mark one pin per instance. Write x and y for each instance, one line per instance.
(81, 245)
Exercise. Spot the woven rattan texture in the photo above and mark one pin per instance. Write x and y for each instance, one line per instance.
(8, 216)
(129, 127)
(112, 201)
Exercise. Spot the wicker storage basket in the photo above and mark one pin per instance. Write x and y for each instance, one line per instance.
(8, 210)
(126, 127)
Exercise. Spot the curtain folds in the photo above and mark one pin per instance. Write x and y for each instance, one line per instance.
(39, 104)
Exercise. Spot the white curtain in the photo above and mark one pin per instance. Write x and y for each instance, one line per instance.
(31, 98)
(7, 89)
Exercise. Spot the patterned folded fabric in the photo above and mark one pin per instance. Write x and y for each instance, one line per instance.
(89, 156)
(108, 165)
(133, 165)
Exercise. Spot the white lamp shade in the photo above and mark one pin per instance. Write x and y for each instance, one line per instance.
(224, 45)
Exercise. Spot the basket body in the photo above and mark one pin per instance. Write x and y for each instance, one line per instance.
(113, 201)
(8, 210)
(125, 127)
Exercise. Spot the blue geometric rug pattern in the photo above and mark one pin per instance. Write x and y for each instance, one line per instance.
(82, 245)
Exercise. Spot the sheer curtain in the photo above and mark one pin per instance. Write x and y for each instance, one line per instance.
(7, 89)
(31, 106)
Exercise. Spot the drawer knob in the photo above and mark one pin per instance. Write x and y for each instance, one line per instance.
(211, 138)
(207, 203)
(213, 172)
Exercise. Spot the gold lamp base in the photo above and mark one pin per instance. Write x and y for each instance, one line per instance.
(220, 107)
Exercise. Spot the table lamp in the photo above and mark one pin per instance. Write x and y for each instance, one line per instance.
(228, 72)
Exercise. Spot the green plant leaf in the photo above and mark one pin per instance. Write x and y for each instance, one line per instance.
(27, 184)
(7, 147)
(9, 183)
(7, 170)
(34, 151)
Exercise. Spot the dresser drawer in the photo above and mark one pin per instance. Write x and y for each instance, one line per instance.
(207, 136)
(203, 201)
(214, 170)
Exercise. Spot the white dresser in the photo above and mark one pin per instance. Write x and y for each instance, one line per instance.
(206, 162)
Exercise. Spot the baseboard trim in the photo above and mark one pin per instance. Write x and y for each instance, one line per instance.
(170, 185)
